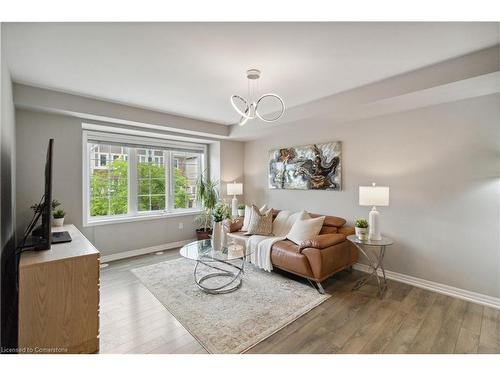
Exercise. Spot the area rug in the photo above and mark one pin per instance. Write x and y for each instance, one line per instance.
(233, 322)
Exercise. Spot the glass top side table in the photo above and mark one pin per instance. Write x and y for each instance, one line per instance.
(375, 260)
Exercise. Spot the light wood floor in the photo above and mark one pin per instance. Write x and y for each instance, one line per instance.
(406, 320)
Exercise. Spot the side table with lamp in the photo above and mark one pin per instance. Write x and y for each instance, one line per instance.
(373, 196)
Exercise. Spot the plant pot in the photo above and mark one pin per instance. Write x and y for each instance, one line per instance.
(241, 212)
(361, 233)
(58, 222)
(202, 234)
(217, 238)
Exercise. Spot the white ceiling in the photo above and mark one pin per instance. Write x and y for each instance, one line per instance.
(191, 69)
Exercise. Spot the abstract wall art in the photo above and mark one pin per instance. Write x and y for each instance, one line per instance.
(312, 167)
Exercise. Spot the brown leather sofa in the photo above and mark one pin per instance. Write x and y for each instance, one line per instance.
(316, 259)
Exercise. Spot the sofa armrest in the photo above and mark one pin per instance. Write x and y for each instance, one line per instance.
(346, 231)
(232, 225)
(323, 241)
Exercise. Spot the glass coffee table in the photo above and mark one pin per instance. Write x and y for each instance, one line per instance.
(225, 265)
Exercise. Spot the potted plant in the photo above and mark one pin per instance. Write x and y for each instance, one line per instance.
(361, 229)
(207, 196)
(58, 216)
(38, 207)
(241, 210)
(219, 214)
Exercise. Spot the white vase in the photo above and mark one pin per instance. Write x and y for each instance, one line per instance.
(58, 222)
(217, 236)
(361, 233)
(241, 212)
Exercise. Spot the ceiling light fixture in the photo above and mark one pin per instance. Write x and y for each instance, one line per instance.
(250, 109)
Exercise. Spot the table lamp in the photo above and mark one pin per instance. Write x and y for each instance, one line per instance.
(234, 189)
(374, 196)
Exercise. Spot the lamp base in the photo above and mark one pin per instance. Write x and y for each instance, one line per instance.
(373, 225)
(234, 207)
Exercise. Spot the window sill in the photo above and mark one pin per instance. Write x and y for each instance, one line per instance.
(129, 219)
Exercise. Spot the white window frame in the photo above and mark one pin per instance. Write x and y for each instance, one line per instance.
(133, 214)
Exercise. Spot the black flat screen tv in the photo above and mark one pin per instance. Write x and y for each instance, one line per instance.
(46, 230)
(38, 239)
(41, 237)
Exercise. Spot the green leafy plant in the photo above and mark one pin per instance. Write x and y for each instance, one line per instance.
(241, 207)
(181, 197)
(59, 214)
(151, 188)
(361, 223)
(113, 178)
(221, 212)
(38, 207)
(203, 220)
(207, 196)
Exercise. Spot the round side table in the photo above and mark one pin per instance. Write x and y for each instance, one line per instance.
(375, 260)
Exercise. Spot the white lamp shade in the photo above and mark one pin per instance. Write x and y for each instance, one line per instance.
(235, 189)
(374, 195)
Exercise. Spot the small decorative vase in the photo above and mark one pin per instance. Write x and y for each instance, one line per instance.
(241, 212)
(361, 233)
(217, 236)
(58, 222)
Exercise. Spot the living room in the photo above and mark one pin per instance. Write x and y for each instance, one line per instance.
(250, 187)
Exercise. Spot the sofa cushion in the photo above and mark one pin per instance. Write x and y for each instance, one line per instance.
(243, 238)
(328, 230)
(233, 225)
(346, 231)
(323, 241)
(305, 229)
(331, 221)
(286, 256)
(238, 236)
(325, 262)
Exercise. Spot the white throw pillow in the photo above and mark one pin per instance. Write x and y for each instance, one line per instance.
(305, 229)
(300, 215)
(279, 224)
(248, 216)
(285, 220)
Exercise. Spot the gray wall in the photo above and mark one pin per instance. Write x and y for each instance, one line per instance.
(442, 166)
(226, 165)
(231, 159)
(7, 185)
(33, 129)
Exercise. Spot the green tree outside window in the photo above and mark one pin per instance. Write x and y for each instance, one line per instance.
(180, 185)
(109, 188)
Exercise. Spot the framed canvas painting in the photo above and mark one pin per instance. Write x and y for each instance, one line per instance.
(311, 167)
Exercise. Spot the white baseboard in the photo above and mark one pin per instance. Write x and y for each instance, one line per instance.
(145, 250)
(479, 298)
(448, 290)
